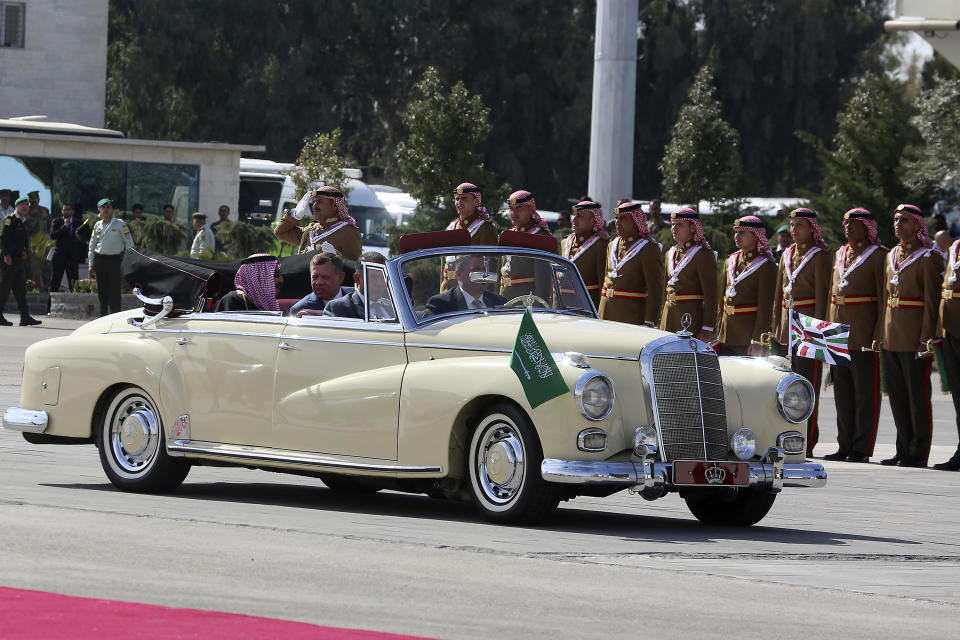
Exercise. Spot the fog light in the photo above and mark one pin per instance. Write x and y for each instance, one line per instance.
(743, 443)
(644, 442)
(592, 440)
(791, 442)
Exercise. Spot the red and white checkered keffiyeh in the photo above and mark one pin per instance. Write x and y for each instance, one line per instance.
(698, 237)
(332, 193)
(255, 279)
(599, 224)
(525, 197)
(639, 217)
(924, 234)
(475, 190)
(860, 215)
(810, 216)
(755, 226)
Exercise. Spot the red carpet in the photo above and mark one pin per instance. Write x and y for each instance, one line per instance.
(31, 615)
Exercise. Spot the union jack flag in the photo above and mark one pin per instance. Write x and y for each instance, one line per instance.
(819, 340)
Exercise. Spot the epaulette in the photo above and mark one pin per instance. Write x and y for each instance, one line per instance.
(8, 221)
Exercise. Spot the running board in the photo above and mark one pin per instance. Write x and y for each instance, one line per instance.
(243, 454)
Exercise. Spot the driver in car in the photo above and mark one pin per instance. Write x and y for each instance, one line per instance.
(467, 294)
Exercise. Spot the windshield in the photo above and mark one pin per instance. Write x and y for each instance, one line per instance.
(491, 282)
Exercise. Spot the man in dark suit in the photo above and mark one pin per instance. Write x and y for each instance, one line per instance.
(468, 294)
(68, 249)
(352, 304)
(326, 276)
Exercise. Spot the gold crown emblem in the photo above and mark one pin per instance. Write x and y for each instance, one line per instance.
(715, 475)
(512, 200)
(459, 192)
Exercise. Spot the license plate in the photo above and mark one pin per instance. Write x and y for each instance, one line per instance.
(698, 472)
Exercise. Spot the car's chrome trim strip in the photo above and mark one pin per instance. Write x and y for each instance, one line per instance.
(305, 458)
(290, 336)
(466, 347)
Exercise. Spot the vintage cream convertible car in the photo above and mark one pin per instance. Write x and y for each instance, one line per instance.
(419, 396)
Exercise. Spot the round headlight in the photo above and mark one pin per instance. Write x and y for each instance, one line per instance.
(795, 398)
(743, 443)
(594, 394)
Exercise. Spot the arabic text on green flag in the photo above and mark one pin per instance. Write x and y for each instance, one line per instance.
(534, 365)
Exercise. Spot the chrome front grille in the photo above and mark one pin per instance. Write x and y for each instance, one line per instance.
(688, 399)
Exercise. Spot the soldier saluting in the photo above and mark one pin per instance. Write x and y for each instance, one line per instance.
(332, 226)
(586, 247)
(803, 283)
(749, 276)
(691, 271)
(857, 298)
(633, 287)
(913, 273)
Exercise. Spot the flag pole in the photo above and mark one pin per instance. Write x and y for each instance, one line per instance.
(790, 340)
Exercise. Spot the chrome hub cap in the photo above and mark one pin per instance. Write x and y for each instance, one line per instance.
(134, 434)
(501, 463)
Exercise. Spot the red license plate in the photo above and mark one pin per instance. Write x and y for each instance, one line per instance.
(718, 474)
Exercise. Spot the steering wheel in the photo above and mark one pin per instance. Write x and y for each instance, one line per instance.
(527, 301)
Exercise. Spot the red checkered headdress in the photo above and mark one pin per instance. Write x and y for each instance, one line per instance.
(639, 217)
(332, 193)
(599, 224)
(691, 215)
(755, 225)
(469, 187)
(811, 216)
(924, 234)
(864, 216)
(525, 197)
(255, 279)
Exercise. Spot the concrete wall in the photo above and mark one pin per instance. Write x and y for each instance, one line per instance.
(219, 163)
(62, 70)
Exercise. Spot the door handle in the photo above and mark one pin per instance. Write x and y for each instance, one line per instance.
(183, 341)
(286, 346)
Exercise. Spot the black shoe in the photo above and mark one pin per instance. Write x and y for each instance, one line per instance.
(28, 322)
(839, 456)
(856, 457)
(890, 462)
(953, 464)
(913, 462)
(4, 322)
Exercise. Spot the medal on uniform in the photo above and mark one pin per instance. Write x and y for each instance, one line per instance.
(842, 284)
(731, 292)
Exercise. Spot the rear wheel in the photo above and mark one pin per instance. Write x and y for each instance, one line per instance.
(504, 465)
(740, 507)
(131, 443)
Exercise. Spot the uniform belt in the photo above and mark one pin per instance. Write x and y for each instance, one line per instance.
(797, 302)
(108, 255)
(835, 299)
(516, 282)
(914, 303)
(566, 291)
(739, 309)
(673, 297)
(593, 287)
(624, 293)
(950, 294)
(449, 274)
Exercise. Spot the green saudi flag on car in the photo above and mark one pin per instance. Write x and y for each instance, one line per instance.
(534, 365)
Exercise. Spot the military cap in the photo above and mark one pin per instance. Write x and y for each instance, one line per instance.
(21, 199)
(104, 202)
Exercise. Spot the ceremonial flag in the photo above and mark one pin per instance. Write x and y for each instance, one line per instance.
(819, 340)
(534, 365)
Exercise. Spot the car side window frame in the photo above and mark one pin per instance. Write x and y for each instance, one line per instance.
(369, 267)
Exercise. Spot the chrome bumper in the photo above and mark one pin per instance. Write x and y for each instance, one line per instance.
(17, 419)
(770, 473)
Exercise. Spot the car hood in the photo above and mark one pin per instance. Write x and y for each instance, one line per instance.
(560, 333)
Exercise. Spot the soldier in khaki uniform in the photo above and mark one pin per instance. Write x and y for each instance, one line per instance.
(949, 325)
(520, 276)
(333, 225)
(473, 217)
(913, 274)
(586, 247)
(749, 278)
(858, 298)
(633, 286)
(691, 272)
(803, 283)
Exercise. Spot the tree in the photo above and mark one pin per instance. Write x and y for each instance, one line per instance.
(864, 167)
(446, 124)
(320, 162)
(702, 159)
(934, 167)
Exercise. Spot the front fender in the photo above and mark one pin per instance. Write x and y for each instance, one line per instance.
(89, 364)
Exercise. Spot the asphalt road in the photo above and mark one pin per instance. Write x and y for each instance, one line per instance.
(875, 554)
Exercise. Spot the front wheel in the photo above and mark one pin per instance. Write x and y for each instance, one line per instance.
(130, 440)
(504, 465)
(732, 508)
